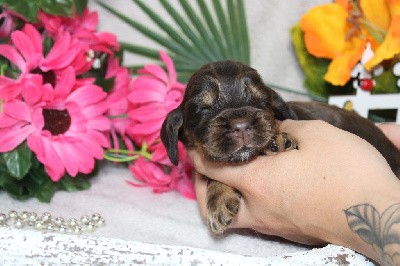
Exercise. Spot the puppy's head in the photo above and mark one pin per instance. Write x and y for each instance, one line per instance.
(227, 114)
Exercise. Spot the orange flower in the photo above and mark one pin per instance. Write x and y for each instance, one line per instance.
(339, 31)
(385, 15)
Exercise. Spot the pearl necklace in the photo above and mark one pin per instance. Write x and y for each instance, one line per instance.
(45, 222)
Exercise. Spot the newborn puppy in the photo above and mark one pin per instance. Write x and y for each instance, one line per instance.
(229, 115)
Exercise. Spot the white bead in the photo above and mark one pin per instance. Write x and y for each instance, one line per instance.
(90, 227)
(59, 221)
(33, 217)
(46, 216)
(51, 227)
(12, 214)
(96, 217)
(72, 222)
(101, 222)
(24, 215)
(85, 219)
(3, 217)
(19, 223)
(77, 229)
(39, 225)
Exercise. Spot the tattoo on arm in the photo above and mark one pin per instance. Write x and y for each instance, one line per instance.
(382, 231)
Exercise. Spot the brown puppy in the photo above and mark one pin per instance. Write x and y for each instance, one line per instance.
(229, 115)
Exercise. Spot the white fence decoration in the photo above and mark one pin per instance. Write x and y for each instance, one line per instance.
(362, 102)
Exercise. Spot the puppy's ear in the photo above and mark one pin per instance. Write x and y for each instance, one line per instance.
(280, 108)
(169, 133)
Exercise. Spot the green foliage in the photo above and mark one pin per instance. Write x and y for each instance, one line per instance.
(214, 33)
(22, 176)
(314, 68)
(30, 8)
(18, 161)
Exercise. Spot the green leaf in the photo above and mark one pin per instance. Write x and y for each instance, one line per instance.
(69, 183)
(195, 37)
(169, 30)
(18, 161)
(140, 50)
(80, 6)
(386, 82)
(28, 9)
(166, 42)
(315, 68)
(57, 7)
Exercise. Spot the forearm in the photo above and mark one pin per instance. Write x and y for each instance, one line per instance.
(370, 227)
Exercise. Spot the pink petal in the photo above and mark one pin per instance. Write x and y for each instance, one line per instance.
(13, 55)
(26, 43)
(9, 88)
(87, 95)
(145, 89)
(18, 110)
(47, 155)
(170, 66)
(34, 36)
(11, 137)
(156, 72)
(186, 188)
(31, 91)
(68, 156)
(61, 54)
(92, 147)
(65, 82)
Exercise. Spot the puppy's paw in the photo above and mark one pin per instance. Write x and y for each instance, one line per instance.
(281, 142)
(222, 206)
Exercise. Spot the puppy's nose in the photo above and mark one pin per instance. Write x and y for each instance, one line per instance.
(240, 125)
(242, 131)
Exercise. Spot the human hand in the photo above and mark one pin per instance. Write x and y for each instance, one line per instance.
(392, 132)
(301, 194)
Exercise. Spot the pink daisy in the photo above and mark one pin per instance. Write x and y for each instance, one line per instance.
(27, 54)
(84, 28)
(63, 126)
(154, 94)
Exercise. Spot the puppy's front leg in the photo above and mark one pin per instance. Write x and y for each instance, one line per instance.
(281, 142)
(222, 205)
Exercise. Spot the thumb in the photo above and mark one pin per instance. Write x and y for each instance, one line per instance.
(229, 174)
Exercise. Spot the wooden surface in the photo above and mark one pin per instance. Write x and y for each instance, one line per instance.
(22, 247)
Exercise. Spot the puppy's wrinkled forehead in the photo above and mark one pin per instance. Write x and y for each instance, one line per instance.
(225, 82)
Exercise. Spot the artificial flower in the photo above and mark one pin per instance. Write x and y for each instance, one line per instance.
(28, 55)
(326, 35)
(385, 17)
(84, 28)
(159, 174)
(340, 31)
(154, 93)
(63, 126)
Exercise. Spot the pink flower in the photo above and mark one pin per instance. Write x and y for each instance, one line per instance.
(84, 28)
(161, 176)
(8, 23)
(118, 103)
(154, 94)
(63, 126)
(27, 54)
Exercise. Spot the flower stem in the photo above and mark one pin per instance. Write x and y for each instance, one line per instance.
(124, 156)
(118, 116)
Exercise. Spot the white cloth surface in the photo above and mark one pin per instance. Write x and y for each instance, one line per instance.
(137, 214)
